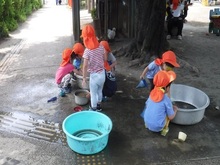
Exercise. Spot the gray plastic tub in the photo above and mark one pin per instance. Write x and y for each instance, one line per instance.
(198, 100)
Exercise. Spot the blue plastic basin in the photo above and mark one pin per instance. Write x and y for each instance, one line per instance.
(87, 132)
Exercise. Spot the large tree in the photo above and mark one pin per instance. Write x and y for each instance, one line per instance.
(150, 31)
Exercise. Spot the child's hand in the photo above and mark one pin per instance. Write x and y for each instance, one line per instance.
(88, 95)
(84, 83)
(175, 108)
(141, 77)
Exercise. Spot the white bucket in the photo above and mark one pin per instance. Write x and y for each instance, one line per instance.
(182, 136)
(80, 96)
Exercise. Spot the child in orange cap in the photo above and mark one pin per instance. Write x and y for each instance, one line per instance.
(110, 85)
(93, 62)
(65, 73)
(78, 50)
(111, 58)
(158, 107)
(167, 63)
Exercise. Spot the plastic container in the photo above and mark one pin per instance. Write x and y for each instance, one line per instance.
(80, 96)
(142, 84)
(191, 96)
(78, 109)
(87, 132)
(182, 136)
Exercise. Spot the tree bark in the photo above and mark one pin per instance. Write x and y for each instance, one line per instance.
(150, 32)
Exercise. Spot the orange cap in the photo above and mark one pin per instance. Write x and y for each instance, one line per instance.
(158, 61)
(170, 57)
(89, 38)
(78, 48)
(66, 56)
(175, 4)
(161, 79)
(106, 45)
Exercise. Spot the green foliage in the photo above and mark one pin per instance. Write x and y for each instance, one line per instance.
(11, 24)
(13, 12)
(3, 30)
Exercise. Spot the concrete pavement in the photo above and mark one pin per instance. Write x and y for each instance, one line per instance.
(29, 61)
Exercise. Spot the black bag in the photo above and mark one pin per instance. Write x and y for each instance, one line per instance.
(110, 85)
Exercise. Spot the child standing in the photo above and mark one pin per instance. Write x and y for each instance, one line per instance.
(93, 62)
(65, 73)
(158, 109)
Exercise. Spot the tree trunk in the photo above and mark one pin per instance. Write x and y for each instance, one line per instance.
(97, 27)
(150, 32)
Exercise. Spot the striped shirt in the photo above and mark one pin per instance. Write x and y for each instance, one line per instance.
(95, 59)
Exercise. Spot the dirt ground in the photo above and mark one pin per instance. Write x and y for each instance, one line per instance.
(27, 82)
(197, 54)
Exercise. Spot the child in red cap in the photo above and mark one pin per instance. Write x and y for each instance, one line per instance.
(158, 107)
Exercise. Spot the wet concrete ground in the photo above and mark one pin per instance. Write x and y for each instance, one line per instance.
(31, 56)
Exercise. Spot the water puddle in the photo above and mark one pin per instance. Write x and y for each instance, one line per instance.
(26, 125)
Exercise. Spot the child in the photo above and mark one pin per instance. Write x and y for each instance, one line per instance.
(175, 18)
(111, 58)
(168, 62)
(93, 62)
(65, 73)
(110, 85)
(78, 51)
(151, 70)
(158, 107)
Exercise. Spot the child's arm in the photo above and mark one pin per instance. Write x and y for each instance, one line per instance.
(142, 76)
(78, 71)
(175, 108)
(113, 64)
(85, 67)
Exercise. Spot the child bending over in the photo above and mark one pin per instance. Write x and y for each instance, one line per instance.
(65, 73)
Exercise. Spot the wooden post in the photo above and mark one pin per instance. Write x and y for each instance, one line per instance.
(106, 19)
(76, 19)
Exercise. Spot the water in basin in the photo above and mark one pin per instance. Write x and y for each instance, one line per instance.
(87, 133)
(183, 105)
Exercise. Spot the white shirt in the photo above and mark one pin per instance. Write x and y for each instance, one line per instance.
(178, 11)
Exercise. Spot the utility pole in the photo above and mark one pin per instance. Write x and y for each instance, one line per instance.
(76, 19)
